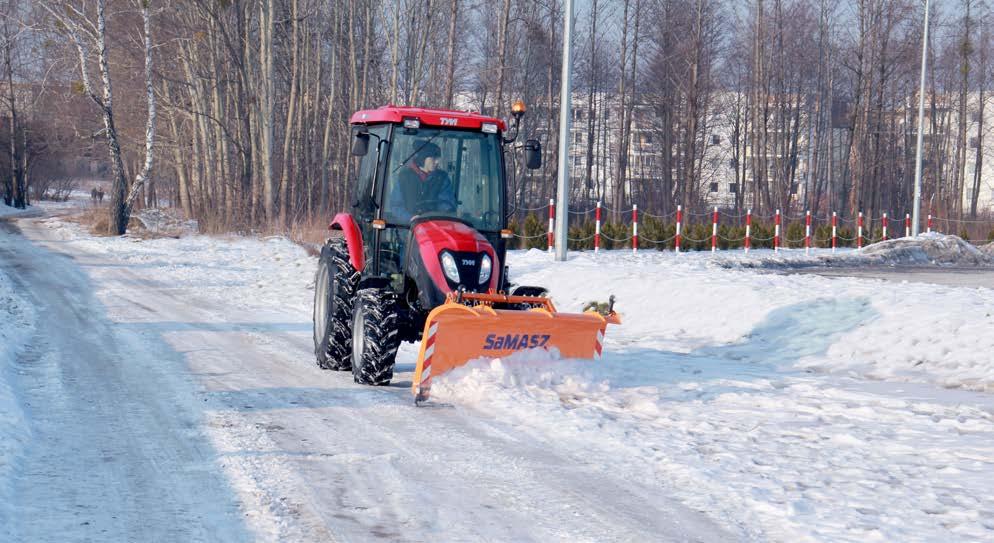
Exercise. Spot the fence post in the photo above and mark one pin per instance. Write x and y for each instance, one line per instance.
(776, 233)
(807, 233)
(885, 227)
(597, 228)
(907, 225)
(835, 230)
(859, 235)
(929, 224)
(714, 230)
(552, 222)
(748, 241)
(679, 226)
(635, 228)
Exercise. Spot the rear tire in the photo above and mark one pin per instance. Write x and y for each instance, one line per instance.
(375, 336)
(334, 297)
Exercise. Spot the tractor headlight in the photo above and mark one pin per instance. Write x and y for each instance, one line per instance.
(485, 266)
(449, 267)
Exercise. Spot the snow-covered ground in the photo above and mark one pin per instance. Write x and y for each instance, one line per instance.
(734, 403)
(16, 323)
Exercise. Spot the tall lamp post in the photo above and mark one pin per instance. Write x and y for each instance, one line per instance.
(565, 116)
(916, 209)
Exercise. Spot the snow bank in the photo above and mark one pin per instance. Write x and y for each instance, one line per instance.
(7, 211)
(170, 222)
(16, 323)
(232, 271)
(988, 250)
(905, 332)
(930, 248)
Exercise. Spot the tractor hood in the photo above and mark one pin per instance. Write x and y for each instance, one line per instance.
(467, 247)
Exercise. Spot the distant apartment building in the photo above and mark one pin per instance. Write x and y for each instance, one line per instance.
(726, 164)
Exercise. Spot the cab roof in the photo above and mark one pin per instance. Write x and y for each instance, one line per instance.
(444, 118)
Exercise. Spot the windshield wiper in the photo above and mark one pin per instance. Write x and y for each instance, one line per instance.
(410, 156)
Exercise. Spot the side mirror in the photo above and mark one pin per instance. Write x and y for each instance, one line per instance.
(533, 154)
(360, 145)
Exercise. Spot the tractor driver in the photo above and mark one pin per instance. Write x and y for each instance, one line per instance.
(422, 185)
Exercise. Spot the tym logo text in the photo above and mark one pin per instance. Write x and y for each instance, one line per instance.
(515, 342)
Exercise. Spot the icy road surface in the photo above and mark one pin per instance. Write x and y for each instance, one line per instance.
(732, 405)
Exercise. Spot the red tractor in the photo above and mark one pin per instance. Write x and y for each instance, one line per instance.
(426, 235)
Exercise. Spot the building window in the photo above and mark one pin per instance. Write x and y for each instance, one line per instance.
(733, 188)
(714, 187)
(715, 139)
(733, 163)
(793, 189)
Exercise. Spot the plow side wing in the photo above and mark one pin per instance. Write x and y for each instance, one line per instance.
(454, 334)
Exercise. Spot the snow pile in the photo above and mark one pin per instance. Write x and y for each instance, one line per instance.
(931, 248)
(166, 222)
(988, 250)
(16, 322)
(535, 372)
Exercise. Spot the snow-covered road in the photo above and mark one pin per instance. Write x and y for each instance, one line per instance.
(154, 409)
(732, 405)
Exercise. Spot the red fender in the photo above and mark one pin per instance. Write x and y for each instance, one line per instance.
(353, 239)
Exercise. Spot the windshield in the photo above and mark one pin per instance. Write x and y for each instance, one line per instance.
(451, 173)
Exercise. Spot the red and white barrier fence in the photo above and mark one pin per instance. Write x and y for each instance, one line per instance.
(835, 231)
(552, 223)
(776, 233)
(748, 240)
(714, 230)
(810, 238)
(635, 229)
(597, 228)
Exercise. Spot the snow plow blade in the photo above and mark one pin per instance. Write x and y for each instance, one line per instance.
(467, 327)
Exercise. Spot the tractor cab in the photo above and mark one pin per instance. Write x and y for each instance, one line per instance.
(430, 199)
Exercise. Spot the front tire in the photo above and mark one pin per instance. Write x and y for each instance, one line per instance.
(375, 336)
(334, 297)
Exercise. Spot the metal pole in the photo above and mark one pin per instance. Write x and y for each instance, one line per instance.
(565, 116)
(916, 208)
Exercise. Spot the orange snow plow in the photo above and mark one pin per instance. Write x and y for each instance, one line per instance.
(467, 327)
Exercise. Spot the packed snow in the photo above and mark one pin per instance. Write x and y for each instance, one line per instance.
(783, 407)
(16, 324)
